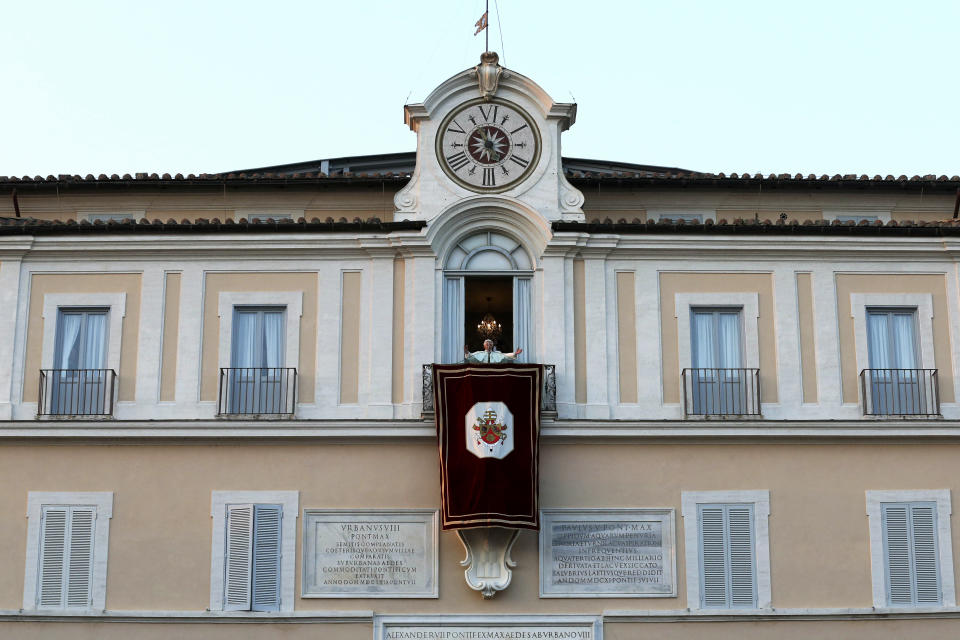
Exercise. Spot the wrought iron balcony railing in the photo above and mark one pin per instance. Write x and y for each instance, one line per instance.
(548, 395)
(721, 392)
(900, 392)
(257, 391)
(76, 392)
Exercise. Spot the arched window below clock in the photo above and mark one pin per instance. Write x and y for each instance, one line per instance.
(487, 282)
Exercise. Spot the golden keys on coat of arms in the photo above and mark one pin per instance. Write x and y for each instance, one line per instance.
(489, 427)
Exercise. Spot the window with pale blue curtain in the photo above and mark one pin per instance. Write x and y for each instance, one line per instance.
(717, 378)
(79, 384)
(894, 380)
(256, 381)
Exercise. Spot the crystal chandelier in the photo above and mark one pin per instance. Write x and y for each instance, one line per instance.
(489, 328)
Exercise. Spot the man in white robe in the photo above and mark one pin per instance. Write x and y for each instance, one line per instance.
(489, 355)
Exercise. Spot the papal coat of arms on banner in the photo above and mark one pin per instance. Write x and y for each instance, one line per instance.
(489, 430)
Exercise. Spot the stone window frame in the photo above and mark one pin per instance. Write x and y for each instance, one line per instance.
(289, 502)
(102, 502)
(760, 499)
(875, 500)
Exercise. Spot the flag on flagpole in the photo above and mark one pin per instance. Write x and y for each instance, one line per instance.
(481, 23)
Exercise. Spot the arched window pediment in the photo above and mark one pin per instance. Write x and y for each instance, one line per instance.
(488, 251)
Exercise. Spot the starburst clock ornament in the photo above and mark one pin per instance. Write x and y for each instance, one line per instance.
(488, 145)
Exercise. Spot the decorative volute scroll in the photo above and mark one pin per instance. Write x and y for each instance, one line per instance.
(488, 74)
(488, 562)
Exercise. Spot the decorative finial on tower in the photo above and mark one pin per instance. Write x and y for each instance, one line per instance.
(488, 74)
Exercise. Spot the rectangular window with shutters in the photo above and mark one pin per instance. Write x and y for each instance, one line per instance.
(254, 538)
(910, 546)
(67, 540)
(727, 549)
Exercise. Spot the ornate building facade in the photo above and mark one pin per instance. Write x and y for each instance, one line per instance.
(216, 417)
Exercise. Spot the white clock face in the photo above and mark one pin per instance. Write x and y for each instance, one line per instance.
(488, 146)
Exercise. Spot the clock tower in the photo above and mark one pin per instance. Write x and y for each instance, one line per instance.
(492, 135)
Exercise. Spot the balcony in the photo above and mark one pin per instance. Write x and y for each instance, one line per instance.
(900, 392)
(257, 391)
(76, 392)
(548, 394)
(721, 392)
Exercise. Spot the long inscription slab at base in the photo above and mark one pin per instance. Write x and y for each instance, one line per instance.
(607, 553)
(370, 554)
(520, 627)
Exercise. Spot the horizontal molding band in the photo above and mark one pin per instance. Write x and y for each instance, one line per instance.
(599, 430)
(748, 615)
(368, 617)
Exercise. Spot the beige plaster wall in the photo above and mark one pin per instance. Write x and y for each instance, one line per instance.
(350, 337)
(205, 630)
(42, 284)
(580, 331)
(216, 283)
(159, 556)
(627, 335)
(808, 346)
(672, 283)
(934, 284)
(787, 630)
(171, 333)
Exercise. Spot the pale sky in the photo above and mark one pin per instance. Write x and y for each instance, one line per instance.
(734, 86)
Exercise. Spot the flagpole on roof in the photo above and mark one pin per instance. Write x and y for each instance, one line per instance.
(487, 30)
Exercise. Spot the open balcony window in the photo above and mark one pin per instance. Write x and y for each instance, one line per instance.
(718, 384)
(78, 384)
(257, 381)
(895, 384)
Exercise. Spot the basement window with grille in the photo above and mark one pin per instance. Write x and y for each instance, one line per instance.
(727, 549)
(252, 562)
(910, 548)
(67, 540)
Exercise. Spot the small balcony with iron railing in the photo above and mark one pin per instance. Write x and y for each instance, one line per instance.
(715, 392)
(257, 391)
(548, 394)
(76, 392)
(900, 392)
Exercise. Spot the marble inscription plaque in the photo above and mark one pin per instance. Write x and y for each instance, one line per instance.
(370, 554)
(594, 553)
(489, 630)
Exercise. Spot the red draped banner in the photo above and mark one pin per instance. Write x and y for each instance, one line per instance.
(488, 427)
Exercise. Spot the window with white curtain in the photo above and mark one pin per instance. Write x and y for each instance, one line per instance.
(895, 382)
(78, 386)
(257, 357)
(717, 358)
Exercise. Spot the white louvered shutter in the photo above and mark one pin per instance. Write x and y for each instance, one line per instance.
(53, 551)
(910, 546)
(743, 584)
(727, 556)
(266, 557)
(926, 562)
(713, 574)
(80, 567)
(66, 557)
(238, 560)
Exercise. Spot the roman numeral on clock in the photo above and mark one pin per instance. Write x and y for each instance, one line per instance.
(520, 128)
(455, 127)
(489, 115)
(458, 161)
(520, 161)
(489, 178)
